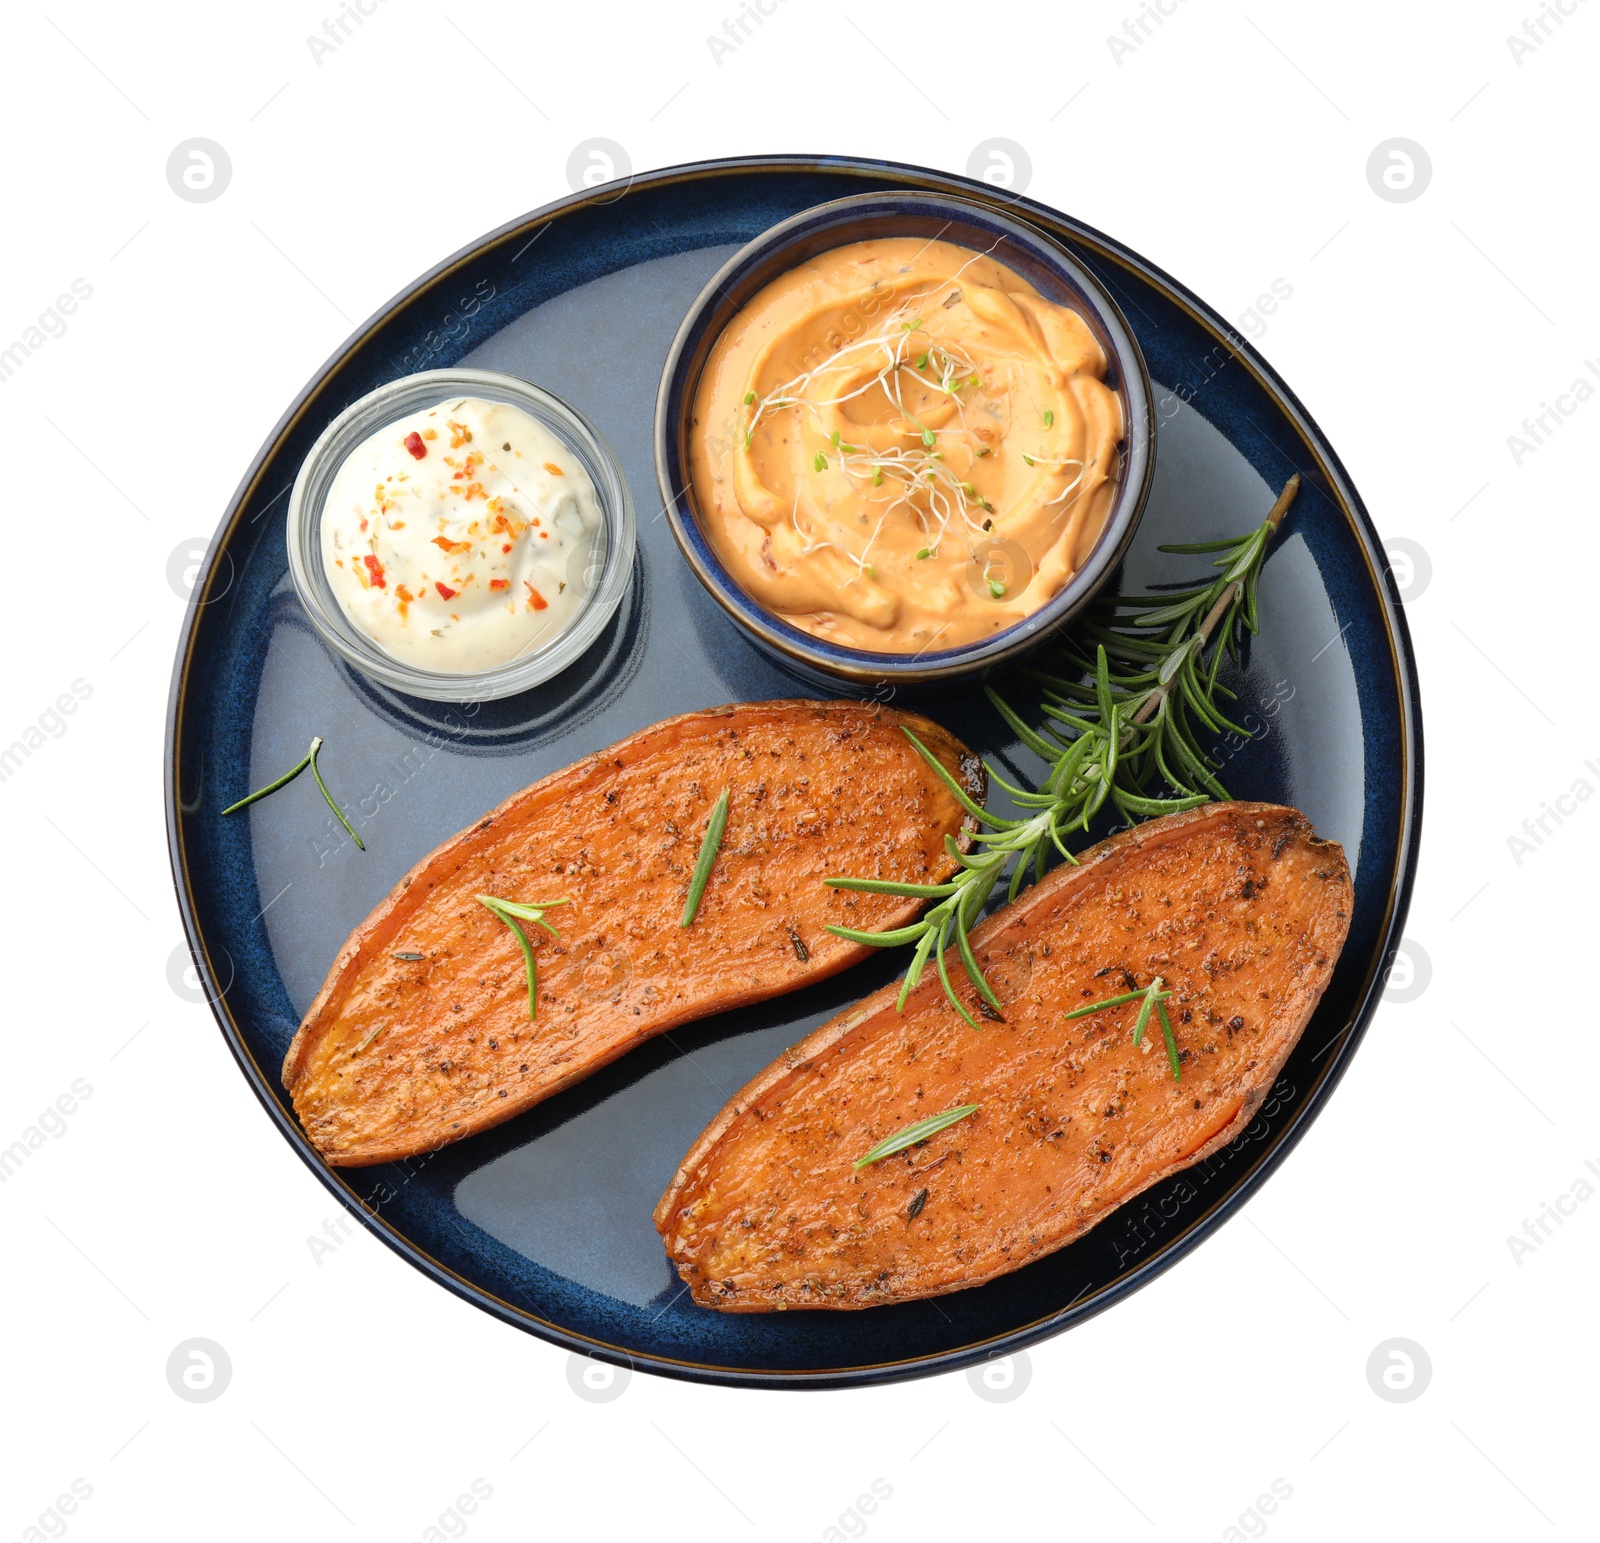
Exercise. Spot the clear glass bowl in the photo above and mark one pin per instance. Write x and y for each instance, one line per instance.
(606, 575)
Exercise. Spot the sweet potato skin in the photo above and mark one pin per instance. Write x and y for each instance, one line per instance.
(400, 1056)
(1239, 907)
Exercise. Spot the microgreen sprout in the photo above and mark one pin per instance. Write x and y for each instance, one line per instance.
(914, 475)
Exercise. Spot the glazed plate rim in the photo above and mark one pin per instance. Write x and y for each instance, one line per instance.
(1402, 673)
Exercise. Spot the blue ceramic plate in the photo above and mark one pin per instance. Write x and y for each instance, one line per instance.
(546, 1220)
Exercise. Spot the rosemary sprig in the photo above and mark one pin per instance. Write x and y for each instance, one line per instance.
(912, 1134)
(1153, 999)
(309, 759)
(513, 913)
(1125, 715)
(710, 844)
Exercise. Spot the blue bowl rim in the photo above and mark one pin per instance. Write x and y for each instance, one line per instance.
(680, 378)
(263, 1083)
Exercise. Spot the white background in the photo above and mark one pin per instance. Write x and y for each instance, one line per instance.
(1231, 149)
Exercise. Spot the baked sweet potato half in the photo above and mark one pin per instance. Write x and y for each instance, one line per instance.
(422, 1033)
(1239, 908)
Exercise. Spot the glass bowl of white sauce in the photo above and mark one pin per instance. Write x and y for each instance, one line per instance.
(460, 535)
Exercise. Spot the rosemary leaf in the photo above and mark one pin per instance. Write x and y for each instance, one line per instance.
(282, 782)
(879, 939)
(1034, 741)
(368, 1040)
(919, 961)
(944, 980)
(316, 745)
(1095, 1007)
(894, 887)
(974, 974)
(961, 795)
(513, 913)
(1194, 547)
(912, 1134)
(531, 913)
(1146, 1007)
(709, 846)
(529, 962)
(1172, 1043)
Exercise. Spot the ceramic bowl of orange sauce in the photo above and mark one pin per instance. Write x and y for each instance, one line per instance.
(903, 438)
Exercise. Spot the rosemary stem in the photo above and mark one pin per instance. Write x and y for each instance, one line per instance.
(1231, 593)
(1158, 694)
(1280, 506)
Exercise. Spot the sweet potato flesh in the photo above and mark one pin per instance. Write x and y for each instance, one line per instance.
(400, 1054)
(1238, 907)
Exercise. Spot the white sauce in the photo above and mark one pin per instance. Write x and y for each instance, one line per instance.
(470, 555)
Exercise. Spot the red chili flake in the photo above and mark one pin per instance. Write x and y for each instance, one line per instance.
(445, 592)
(415, 445)
(375, 569)
(535, 599)
(499, 583)
(506, 547)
